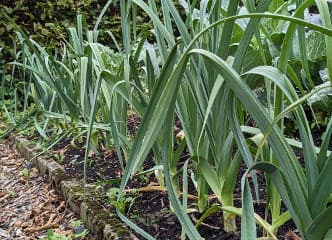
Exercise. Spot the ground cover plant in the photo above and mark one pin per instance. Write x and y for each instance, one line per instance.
(229, 75)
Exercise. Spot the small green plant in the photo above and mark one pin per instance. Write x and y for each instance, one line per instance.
(120, 200)
(25, 172)
(12, 194)
(51, 235)
(74, 160)
(80, 232)
(59, 157)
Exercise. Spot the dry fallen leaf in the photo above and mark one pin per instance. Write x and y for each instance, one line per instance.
(290, 235)
(34, 208)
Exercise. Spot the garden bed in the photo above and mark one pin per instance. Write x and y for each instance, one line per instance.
(150, 208)
(150, 205)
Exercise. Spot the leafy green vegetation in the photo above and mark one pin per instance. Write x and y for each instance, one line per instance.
(124, 203)
(231, 72)
(47, 21)
(79, 232)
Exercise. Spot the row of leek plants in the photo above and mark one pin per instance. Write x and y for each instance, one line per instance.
(204, 82)
(202, 77)
(65, 88)
(81, 90)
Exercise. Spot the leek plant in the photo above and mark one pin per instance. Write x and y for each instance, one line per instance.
(81, 88)
(61, 84)
(208, 138)
(204, 81)
(14, 96)
(212, 136)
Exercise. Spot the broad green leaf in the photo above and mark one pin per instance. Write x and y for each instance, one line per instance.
(248, 226)
(322, 189)
(315, 46)
(324, 153)
(326, 21)
(210, 175)
(320, 225)
(280, 220)
(322, 100)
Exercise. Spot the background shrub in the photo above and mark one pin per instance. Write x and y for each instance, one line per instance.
(47, 21)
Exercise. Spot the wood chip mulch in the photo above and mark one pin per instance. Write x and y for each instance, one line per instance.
(28, 205)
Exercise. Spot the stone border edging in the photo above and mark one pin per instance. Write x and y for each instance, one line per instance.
(102, 224)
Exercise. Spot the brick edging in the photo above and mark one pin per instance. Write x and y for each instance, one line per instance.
(101, 223)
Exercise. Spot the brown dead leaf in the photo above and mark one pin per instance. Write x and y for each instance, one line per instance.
(35, 207)
(2, 199)
(290, 235)
(41, 228)
(91, 153)
(65, 232)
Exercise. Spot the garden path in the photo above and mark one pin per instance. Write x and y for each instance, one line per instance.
(28, 205)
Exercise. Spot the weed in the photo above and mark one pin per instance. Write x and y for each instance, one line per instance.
(120, 200)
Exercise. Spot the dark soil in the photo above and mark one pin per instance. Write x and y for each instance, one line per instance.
(151, 209)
